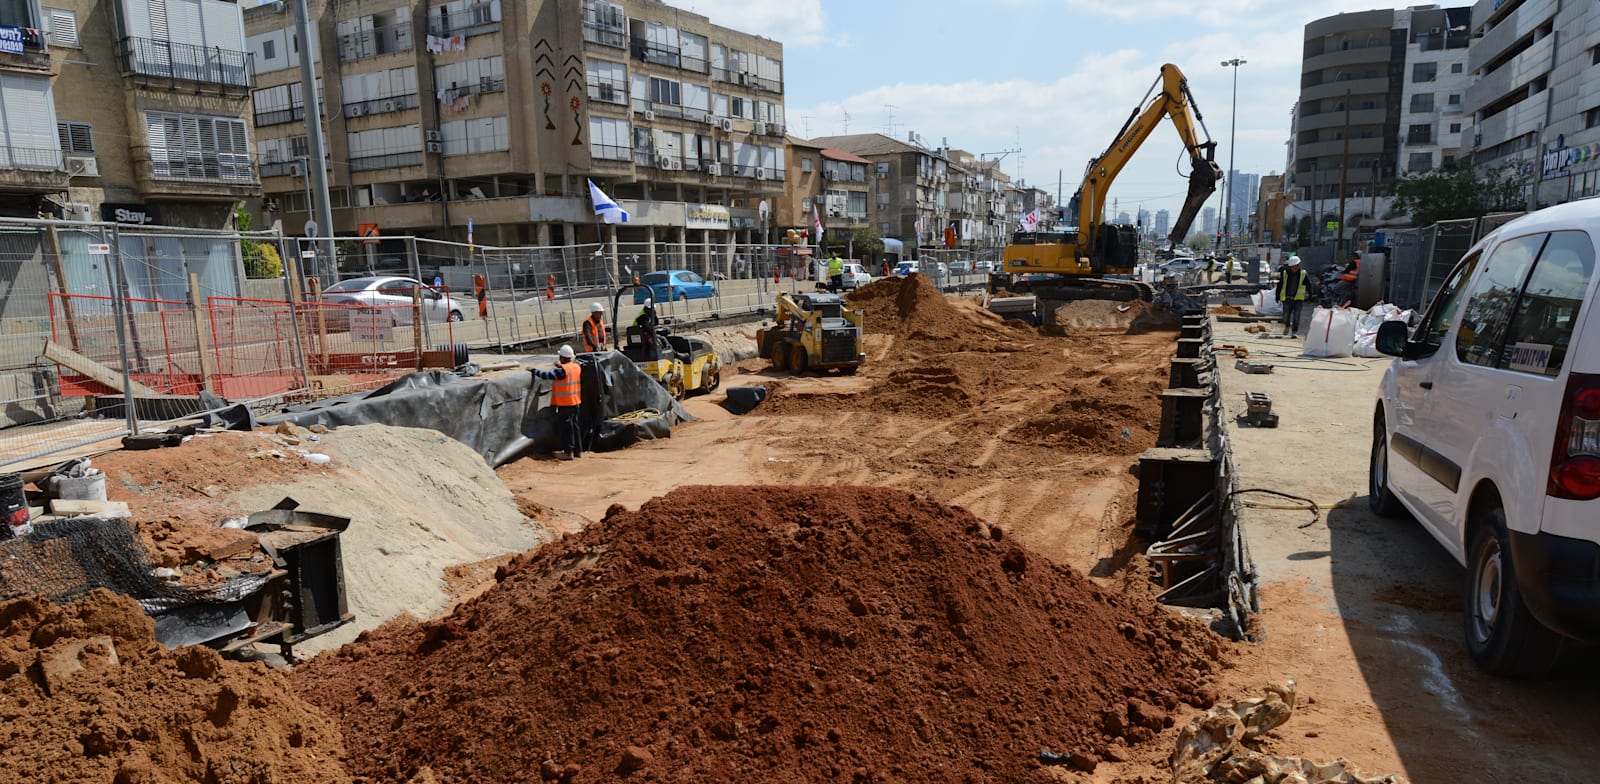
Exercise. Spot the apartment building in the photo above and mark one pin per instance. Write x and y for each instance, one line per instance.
(1535, 97)
(1433, 117)
(825, 184)
(129, 111)
(494, 113)
(977, 203)
(910, 200)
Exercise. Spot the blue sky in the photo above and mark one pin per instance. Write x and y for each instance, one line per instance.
(1056, 78)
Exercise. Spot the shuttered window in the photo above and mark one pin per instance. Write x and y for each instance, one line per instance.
(63, 27)
(197, 147)
(76, 138)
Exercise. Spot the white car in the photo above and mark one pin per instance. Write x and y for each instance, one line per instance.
(393, 296)
(855, 276)
(1487, 430)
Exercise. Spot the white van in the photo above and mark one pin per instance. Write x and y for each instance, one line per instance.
(1487, 430)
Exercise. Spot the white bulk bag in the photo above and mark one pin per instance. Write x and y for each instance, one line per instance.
(1332, 333)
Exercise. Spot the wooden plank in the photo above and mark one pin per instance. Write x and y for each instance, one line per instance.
(202, 333)
(67, 358)
(65, 508)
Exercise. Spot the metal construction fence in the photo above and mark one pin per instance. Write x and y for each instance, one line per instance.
(1419, 259)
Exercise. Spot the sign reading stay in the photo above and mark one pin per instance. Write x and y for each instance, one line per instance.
(12, 40)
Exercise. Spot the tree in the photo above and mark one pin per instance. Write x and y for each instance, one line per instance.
(867, 240)
(261, 259)
(1457, 191)
(1199, 241)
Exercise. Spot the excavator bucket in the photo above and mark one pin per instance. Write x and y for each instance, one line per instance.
(1203, 177)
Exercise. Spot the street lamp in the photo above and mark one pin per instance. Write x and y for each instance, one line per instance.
(1227, 207)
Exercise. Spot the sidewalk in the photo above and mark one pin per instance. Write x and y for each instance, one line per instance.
(1365, 612)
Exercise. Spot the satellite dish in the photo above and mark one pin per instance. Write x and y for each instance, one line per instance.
(311, 228)
(762, 209)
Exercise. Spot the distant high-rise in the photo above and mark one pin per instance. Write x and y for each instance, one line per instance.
(1208, 220)
(1242, 195)
(1144, 218)
(1163, 223)
(1124, 217)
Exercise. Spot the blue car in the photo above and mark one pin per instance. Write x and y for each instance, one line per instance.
(669, 285)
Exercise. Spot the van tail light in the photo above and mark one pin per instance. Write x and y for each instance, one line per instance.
(1575, 459)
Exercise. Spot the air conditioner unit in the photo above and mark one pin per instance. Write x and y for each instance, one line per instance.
(663, 162)
(355, 110)
(434, 147)
(727, 124)
(649, 116)
(761, 174)
(432, 136)
(714, 169)
(761, 129)
(389, 106)
(710, 120)
(744, 78)
(77, 211)
(827, 174)
(294, 170)
(779, 130)
(82, 166)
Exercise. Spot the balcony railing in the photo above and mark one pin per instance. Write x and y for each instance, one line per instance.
(371, 43)
(169, 60)
(480, 87)
(32, 158)
(605, 36)
(393, 103)
(280, 116)
(651, 52)
(393, 160)
(167, 163)
(608, 93)
(474, 20)
(35, 54)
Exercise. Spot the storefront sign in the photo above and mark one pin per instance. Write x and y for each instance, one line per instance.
(706, 216)
(131, 214)
(12, 40)
(1558, 158)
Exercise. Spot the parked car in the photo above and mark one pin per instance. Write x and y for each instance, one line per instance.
(905, 268)
(960, 268)
(1487, 430)
(984, 267)
(670, 285)
(393, 295)
(855, 276)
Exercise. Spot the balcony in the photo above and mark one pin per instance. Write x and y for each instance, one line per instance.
(473, 20)
(411, 215)
(224, 68)
(192, 174)
(393, 103)
(32, 170)
(280, 116)
(377, 41)
(35, 57)
(489, 212)
(1375, 86)
(392, 160)
(596, 33)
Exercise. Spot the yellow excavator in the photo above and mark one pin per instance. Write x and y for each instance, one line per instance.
(1077, 262)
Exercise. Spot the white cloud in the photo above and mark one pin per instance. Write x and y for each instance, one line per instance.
(794, 22)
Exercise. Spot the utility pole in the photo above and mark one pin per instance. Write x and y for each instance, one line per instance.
(1344, 166)
(1227, 207)
(322, 215)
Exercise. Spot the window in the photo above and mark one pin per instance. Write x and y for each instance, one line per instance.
(269, 50)
(1541, 330)
(1422, 102)
(608, 81)
(608, 139)
(1488, 308)
(1420, 134)
(1424, 72)
(1445, 305)
(805, 165)
(76, 138)
(1455, 127)
(63, 27)
(1455, 68)
(1420, 162)
(470, 77)
(383, 148)
(198, 147)
(1454, 99)
(602, 23)
(192, 40)
(666, 91)
(483, 134)
(1591, 118)
(694, 49)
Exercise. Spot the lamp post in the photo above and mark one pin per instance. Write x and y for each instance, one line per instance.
(1227, 207)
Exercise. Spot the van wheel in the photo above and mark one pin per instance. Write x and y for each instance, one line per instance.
(1502, 635)
(1380, 499)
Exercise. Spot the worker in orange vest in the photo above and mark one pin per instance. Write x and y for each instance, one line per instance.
(566, 395)
(550, 286)
(1353, 270)
(594, 328)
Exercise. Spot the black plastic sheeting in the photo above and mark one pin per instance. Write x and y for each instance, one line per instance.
(508, 415)
(742, 400)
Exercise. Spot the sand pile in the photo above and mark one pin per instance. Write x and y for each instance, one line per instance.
(766, 634)
(909, 308)
(1113, 415)
(87, 695)
(410, 518)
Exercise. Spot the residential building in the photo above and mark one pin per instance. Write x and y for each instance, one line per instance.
(494, 114)
(1240, 189)
(912, 185)
(1266, 222)
(1208, 221)
(127, 111)
(1535, 95)
(1433, 118)
(826, 185)
(1163, 224)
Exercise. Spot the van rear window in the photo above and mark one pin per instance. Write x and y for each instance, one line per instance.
(1547, 311)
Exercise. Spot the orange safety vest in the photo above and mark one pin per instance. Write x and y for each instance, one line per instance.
(568, 391)
(1354, 272)
(594, 335)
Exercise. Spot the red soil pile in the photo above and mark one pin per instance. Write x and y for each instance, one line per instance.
(88, 695)
(773, 634)
(910, 308)
(1114, 415)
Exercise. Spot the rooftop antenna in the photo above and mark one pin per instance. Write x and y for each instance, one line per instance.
(890, 125)
(846, 114)
(805, 119)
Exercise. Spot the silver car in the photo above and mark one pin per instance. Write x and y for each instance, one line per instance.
(393, 294)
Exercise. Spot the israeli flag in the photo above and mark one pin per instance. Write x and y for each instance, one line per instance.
(605, 207)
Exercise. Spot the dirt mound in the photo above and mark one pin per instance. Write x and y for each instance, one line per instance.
(766, 634)
(909, 308)
(86, 694)
(1088, 426)
(923, 390)
(1090, 315)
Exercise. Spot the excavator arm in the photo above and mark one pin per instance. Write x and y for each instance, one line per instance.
(1169, 97)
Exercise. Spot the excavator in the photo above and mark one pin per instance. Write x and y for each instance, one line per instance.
(1080, 262)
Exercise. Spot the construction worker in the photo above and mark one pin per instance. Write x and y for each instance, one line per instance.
(1228, 269)
(1352, 271)
(836, 273)
(1292, 293)
(566, 395)
(594, 328)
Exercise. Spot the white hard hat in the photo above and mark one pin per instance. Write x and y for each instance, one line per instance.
(595, 307)
(1293, 260)
(649, 302)
(566, 352)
